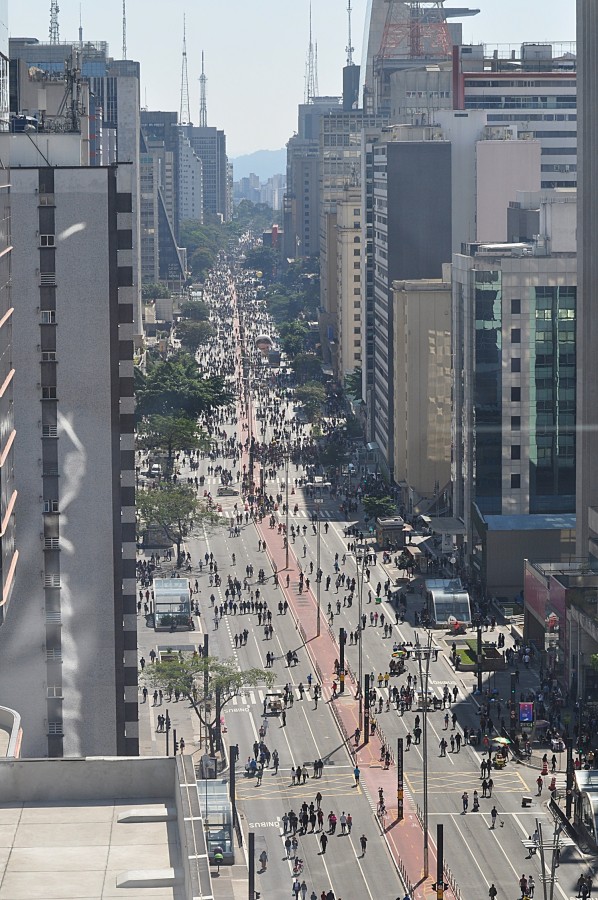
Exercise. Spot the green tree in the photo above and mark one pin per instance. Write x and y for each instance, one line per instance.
(196, 310)
(154, 291)
(175, 509)
(201, 261)
(204, 682)
(292, 337)
(193, 334)
(171, 434)
(175, 386)
(353, 384)
(262, 259)
(312, 395)
(379, 507)
(307, 366)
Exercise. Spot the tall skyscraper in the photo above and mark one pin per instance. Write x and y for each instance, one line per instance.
(587, 275)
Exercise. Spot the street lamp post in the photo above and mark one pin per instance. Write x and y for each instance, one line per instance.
(360, 558)
(318, 501)
(423, 654)
(286, 544)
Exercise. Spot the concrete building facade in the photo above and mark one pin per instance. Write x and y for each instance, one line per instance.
(514, 371)
(422, 387)
(587, 240)
(72, 648)
(411, 240)
(348, 257)
(8, 493)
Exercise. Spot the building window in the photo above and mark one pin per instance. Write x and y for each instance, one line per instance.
(49, 356)
(515, 335)
(515, 423)
(50, 506)
(48, 393)
(516, 364)
(48, 317)
(516, 395)
(515, 451)
(47, 240)
(515, 481)
(49, 431)
(515, 307)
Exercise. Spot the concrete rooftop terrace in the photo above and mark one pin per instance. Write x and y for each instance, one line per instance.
(99, 828)
(88, 850)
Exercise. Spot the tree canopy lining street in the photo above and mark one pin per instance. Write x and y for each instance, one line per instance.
(187, 674)
(175, 509)
(171, 434)
(175, 386)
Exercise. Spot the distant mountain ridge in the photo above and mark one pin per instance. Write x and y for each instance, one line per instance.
(264, 163)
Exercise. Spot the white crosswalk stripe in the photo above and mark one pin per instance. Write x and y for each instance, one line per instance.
(257, 696)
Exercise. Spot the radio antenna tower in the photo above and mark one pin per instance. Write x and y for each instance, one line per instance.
(350, 48)
(80, 32)
(54, 29)
(311, 68)
(185, 111)
(203, 105)
(124, 29)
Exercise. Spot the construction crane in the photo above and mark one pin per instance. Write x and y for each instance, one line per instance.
(54, 29)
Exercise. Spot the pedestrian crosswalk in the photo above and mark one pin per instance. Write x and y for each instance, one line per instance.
(325, 514)
(257, 696)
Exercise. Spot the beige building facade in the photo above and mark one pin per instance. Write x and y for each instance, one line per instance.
(422, 386)
(348, 267)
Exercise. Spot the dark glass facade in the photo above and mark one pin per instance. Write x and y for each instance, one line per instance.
(552, 400)
(487, 391)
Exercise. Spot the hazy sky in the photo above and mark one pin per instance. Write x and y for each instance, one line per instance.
(256, 49)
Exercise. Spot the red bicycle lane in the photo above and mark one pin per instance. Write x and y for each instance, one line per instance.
(404, 838)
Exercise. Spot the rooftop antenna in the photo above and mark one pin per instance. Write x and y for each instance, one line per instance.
(203, 106)
(54, 29)
(124, 29)
(185, 111)
(311, 68)
(350, 48)
(80, 31)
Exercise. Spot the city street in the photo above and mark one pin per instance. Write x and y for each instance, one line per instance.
(476, 853)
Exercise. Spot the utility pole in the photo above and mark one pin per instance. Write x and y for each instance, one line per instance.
(342, 637)
(423, 655)
(318, 501)
(400, 777)
(360, 557)
(286, 543)
(366, 708)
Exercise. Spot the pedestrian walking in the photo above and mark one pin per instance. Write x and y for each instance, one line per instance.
(465, 800)
(356, 774)
(531, 886)
(492, 892)
(493, 815)
(323, 843)
(363, 842)
(540, 783)
(303, 890)
(287, 846)
(296, 888)
(283, 716)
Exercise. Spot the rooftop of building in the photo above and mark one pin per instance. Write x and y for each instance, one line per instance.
(532, 522)
(98, 827)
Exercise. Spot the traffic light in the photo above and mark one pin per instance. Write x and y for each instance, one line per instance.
(176, 747)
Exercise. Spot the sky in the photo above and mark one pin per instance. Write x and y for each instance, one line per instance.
(256, 50)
